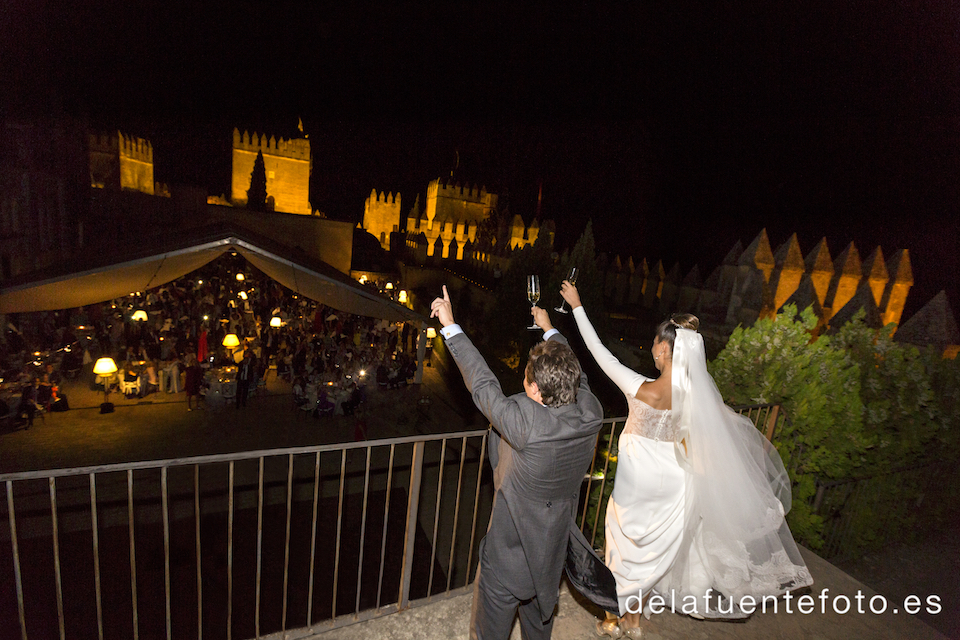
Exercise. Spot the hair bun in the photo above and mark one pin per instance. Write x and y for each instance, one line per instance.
(685, 321)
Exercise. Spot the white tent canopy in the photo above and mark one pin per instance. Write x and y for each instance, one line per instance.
(313, 279)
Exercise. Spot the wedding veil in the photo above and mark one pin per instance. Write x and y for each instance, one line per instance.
(735, 539)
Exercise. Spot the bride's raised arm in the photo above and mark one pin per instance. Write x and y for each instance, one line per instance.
(625, 378)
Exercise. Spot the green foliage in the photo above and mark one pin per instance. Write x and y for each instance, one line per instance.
(862, 408)
(774, 361)
(900, 413)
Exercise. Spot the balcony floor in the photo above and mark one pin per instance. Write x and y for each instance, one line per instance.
(450, 619)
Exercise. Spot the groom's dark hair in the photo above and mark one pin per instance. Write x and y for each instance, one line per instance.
(556, 370)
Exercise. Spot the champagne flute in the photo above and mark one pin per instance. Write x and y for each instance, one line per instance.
(572, 278)
(533, 295)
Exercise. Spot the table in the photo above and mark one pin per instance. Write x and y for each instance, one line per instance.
(222, 380)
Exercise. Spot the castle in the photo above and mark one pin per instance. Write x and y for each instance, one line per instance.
(449, 222)
(288, 165)
(121, 163)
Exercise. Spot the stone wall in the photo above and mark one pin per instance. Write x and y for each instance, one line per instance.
(757, 282)
(288, 165)
(381, 216)
(120, 162)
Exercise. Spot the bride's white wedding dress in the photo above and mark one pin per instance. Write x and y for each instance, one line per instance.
(708, 514)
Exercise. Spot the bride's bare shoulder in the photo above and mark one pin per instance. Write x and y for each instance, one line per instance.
(654, 393)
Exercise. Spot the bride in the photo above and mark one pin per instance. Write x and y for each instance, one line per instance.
(696, 521)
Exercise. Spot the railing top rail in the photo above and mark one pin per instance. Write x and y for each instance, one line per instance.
(229, 457)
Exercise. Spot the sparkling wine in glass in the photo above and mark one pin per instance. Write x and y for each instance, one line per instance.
(572, 277)
(533, 294)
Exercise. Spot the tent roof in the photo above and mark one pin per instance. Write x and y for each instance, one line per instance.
(100, 276)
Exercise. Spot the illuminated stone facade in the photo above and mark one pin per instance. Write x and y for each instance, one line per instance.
(288, 165)
(381, 216)
(121, 163)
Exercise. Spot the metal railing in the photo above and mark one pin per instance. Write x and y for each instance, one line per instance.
(291, 542)
(285, 542)
(866, 513)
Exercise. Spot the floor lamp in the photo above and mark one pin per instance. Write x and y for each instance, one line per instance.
(105, 367)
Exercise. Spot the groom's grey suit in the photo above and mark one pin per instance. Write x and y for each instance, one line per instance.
(539, 460)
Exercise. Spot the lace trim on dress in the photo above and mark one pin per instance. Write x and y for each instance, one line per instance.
(644, 420)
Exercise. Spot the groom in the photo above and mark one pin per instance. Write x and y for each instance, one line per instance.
(546, 441)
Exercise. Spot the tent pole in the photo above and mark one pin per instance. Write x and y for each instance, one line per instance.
(421, 352)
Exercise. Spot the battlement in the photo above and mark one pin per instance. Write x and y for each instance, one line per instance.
(283, 148)
(135, 148)
(440, 189)
(120, 145)
(118, 161)
(384, 197)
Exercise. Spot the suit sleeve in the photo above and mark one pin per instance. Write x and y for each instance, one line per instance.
(512, 417)
(626, 379)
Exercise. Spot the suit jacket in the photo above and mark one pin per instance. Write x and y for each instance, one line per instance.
(539, 460)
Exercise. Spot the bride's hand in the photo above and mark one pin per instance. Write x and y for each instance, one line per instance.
(570, 294)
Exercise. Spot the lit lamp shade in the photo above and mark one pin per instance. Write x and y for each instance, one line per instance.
(242, 295)
(402, 299)
(389, 286)
(275, 321)
(139, 315)
(105, 366)
(239, 277)
(231, 341)
(431, 333)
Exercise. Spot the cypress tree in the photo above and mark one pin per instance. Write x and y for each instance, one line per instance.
(257, 193)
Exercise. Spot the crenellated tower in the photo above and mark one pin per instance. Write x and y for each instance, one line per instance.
(288, 164)
(381, 216)
(121, 163)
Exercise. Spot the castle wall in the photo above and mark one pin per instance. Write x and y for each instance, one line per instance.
(381, 216)
(119, 162)
(136, 164)
(751, 284)
(287, 163)
(455, 202)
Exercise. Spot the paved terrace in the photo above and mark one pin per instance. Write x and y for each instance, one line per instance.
(159, 427)
(576, 621)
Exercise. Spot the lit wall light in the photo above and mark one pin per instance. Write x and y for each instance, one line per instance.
(139, 316)
(242, 295)
(275, 321)
(239, 277)
(403, 297)
(389, 286)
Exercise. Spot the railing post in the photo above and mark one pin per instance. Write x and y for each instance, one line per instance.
(772, 421)
(413, 505)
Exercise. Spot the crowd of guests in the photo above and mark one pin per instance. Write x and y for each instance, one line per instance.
(183, 333)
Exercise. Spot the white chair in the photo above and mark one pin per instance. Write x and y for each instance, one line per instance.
(130, 388)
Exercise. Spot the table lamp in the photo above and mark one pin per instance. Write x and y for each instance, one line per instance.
(105, 367)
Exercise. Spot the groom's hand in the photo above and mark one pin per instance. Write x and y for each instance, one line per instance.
(442, 310)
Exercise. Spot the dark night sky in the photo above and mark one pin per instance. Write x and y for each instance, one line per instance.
(677, 127)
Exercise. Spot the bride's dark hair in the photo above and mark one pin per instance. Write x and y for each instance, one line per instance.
(667, 330)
